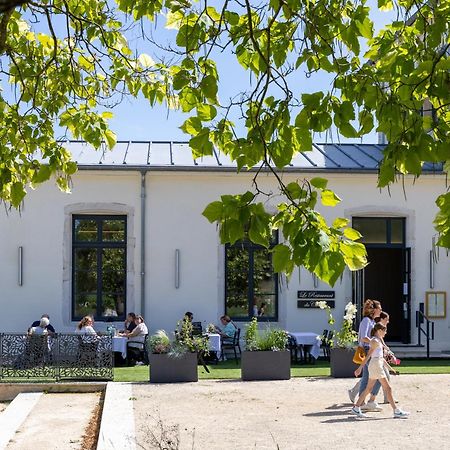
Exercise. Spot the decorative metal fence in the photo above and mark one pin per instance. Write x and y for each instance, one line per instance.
(61, 356)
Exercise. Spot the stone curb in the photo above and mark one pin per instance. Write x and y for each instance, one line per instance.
(14, 415)
(8, 391)
(117, 429)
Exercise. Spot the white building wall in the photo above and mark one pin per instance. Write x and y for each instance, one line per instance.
(174, 203)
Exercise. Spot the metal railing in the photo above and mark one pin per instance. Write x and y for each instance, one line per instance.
(60, 356)
(429, 334)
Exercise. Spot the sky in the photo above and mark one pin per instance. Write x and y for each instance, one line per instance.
(134, 119)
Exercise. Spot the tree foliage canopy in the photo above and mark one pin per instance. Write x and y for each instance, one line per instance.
(65, 63)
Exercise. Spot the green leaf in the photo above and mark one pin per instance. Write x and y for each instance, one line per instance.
(281, 258)
(209, 87)
(340, 222)
(111, 138)
(206, 112)
(354, 253)
(43, 174)
(201, 144)
(329, 198)
(352, 234)
(18, 193)
(192, 126)
(319, 183)
(330, 267)
(213, 212)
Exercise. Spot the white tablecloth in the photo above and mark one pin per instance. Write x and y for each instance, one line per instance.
(119, 344)
(214, 343)
(307, 338)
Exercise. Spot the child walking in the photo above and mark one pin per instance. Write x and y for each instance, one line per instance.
(376, 363)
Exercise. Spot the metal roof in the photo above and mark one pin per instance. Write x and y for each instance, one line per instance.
(175, 155)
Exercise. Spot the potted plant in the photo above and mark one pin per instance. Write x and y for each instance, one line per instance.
(343, 342)
(173, 361)
(265, 356)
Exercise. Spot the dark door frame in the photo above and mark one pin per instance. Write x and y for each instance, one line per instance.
(358, 279)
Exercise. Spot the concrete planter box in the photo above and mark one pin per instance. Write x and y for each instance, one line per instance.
(266, 365)
(167, 369)
(341, 363)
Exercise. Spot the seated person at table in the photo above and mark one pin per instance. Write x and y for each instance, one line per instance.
(129, 323)
(86, 329)
(229, 327)
(49, 327)
(137, 338)
(41, 328)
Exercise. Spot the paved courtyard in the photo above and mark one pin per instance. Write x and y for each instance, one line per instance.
(302, 413)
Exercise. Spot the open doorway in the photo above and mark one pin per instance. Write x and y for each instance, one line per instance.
(386, 277)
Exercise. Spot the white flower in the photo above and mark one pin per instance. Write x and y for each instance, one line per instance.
(322, 304)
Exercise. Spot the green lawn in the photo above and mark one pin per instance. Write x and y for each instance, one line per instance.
(229, 370)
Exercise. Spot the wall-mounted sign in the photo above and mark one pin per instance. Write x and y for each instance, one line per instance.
(316, 295)
(312, 303)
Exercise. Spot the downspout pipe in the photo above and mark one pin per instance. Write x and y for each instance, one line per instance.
(143, 213)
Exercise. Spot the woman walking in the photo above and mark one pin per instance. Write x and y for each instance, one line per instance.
(371, 310)
(375, 362)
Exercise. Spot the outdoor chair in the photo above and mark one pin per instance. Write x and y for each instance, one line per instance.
(137, 351)
(87, 350)
(294, 349)
(327, 346)
(36, 351)
(324, 344)
(197, 329)
(232, 344)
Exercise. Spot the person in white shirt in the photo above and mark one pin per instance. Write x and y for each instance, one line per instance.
(86, 329)
(138, 334)
(375, 362)
(41, 328)
(136, 339)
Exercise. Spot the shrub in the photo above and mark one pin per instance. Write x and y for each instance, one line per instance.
(272, 339)
(184, 341)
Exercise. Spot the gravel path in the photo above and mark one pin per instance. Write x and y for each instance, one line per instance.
(302, 413)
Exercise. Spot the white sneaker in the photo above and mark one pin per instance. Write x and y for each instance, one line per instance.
(357, 411)
(352, 395)
(371, 406)
(140, 363)
(400, 414)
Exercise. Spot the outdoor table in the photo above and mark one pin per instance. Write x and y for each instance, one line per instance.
(119, 344)
(308, 338)
(215, 343)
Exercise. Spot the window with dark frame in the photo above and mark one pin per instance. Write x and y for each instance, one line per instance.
(251, 286)
(381, 231)
(99, 256)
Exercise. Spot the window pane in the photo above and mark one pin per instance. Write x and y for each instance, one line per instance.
(113, 259)
(237, 305)
(113, 230)
(397, 231)
(85, 304)
(113, 274)
(85, 259)
(266, 305)
(114, 282)
(85, 230)
(85, 281)
(263, 279)
(113, 304)
(237, 271)
(373, 230)
(237, 281)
